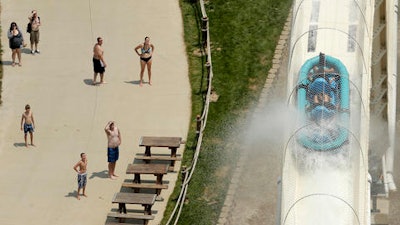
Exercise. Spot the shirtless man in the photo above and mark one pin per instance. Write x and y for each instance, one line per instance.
(28, 124)
(80, 167)
(99, 64)
(114, 140)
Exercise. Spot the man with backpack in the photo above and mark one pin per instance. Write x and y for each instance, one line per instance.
(34, 31)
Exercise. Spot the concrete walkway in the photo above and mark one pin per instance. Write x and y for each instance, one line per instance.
(38, 183)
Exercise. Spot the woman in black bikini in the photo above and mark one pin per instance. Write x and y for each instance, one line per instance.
(146, 51)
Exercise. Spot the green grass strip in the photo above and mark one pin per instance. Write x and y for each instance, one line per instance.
(244, 34)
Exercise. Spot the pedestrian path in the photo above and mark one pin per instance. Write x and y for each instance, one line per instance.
(38, 183)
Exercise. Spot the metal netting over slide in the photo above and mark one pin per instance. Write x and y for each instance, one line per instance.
(325, 162)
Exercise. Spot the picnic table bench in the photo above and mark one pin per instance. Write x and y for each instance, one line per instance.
(121, 218)
(129, 183)
(159, 157)
(157, 170)
(122, 198)
(173, 143)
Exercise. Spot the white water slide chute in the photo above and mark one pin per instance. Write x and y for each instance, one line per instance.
(325, 168)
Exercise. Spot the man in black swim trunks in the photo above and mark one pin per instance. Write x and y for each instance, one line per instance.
(99, 64)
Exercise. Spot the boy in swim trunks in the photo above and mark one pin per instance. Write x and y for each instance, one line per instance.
(81, 167)
(114, 140)
(28, 124)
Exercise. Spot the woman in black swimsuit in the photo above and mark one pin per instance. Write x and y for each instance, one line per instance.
(146, 51)
(16, 42)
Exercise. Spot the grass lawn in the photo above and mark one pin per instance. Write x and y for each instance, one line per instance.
(244, 34)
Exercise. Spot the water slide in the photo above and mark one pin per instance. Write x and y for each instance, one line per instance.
(325, 178)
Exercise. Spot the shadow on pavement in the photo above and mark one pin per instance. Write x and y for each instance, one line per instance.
(19, 144)
(137, 82)
(101, 174)
(71, 194)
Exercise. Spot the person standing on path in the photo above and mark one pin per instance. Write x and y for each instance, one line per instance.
(81, 168)
(99, 64)
(27, 124)
(16, 41)
(34, 19)
(145, 54)
(114, 140)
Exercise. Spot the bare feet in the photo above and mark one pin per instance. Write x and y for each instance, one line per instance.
(103, 82)
(112, 177)
(33, 145)
(19, 64)
(94, 82)
(79, 198)
(115, 175)
(84, 195)
(150, 83)
(13, 64)
(26, 145)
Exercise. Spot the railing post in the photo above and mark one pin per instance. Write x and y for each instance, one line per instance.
(198, 124)
(183, 172)
(208, 67)
(204, 28)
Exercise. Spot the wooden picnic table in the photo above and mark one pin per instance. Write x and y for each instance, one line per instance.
(173, 143)
(144, 199)
(157, 170)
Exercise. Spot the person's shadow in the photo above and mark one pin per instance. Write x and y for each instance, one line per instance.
(136, 82)
(6, 63)
(101, 174)
(88, 82)
(19, 144)
(72, 194)
(26, 51)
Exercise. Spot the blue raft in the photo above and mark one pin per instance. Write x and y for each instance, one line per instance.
(323, 103)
